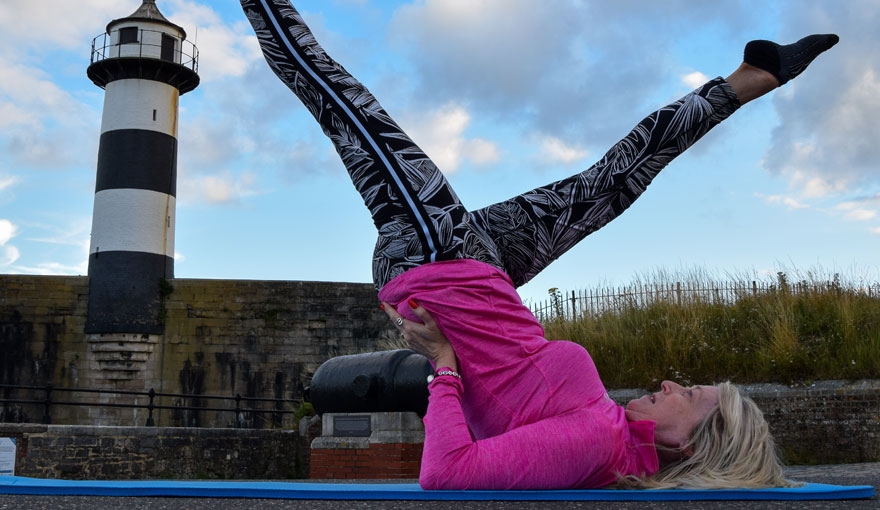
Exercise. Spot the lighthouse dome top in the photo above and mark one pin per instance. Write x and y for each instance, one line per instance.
(148, 11)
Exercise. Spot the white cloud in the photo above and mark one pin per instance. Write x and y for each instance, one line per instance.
(224, 50)
(694, 79)
(42, 125)
(826, 141)
(854, 211)
(8, 255)
(7, 182)
(53, 240)
(481, 152)
(30, 89)
(876, 231)
(60, 23)
(577, 70)
(555, 150)
(7, 231)
(13, 115)
(861, 215)
(788, 202)
(497, 56)
(53, 268)
(222, 188)
(440, 133)
(810, 184)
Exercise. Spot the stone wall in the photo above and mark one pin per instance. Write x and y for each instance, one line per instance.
(259, 339)
(828, 422)
(130, 453)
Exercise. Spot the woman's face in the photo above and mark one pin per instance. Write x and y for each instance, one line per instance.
(675, 410)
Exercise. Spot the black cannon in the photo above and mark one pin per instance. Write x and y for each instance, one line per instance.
(386, 381)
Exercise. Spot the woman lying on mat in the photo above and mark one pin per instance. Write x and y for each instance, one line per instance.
(509, 409)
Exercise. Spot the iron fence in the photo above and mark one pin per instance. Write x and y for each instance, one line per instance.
(594, 302)
(243, 408)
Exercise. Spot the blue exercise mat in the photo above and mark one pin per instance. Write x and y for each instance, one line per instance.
(402, 491)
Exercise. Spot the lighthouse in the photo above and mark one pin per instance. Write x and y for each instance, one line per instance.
(144, 64)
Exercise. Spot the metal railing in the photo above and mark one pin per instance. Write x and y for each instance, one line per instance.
(574, 304)
(104, 47)
(241, 407)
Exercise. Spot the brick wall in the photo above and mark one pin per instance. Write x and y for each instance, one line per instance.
(374, 461)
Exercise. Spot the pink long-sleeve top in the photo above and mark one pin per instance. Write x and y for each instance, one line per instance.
(528, 413)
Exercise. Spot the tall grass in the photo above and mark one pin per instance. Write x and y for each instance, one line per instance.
(789, 332)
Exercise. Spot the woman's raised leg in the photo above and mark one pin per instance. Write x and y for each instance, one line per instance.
(535, 228)
(417, 214)
(532, 230)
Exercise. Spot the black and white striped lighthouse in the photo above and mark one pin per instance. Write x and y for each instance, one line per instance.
(144, 63)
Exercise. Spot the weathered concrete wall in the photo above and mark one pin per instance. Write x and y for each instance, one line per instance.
(222, 337)
(128, 453)
(41, 328)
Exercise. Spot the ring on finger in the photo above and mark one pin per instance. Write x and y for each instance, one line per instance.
(399, 321)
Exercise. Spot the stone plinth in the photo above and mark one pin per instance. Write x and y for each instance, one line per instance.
(368, 446)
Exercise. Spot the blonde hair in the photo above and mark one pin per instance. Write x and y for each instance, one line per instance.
(731, 448)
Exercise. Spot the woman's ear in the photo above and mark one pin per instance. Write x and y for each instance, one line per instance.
(687, 451)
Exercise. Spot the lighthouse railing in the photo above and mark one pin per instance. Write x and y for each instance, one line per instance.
(148, 44)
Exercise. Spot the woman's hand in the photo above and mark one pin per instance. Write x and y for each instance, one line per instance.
(424, 338)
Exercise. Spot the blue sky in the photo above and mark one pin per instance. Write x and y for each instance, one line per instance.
(505, 95)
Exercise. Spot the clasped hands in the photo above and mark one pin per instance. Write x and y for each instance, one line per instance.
(424, 337)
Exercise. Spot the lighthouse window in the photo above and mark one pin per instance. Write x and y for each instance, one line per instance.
(128, 35)
(169, 45)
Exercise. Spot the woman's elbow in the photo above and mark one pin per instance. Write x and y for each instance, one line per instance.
(438, 480)
(429, 480)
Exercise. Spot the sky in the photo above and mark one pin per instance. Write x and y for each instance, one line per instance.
(504, 95)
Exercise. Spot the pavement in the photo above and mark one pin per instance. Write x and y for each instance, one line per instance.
(843, 474)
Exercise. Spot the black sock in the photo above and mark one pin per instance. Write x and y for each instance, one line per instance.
(786, 62)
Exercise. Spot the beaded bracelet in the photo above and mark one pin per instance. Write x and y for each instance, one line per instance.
(444, 371)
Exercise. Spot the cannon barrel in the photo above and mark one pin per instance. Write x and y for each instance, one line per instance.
(386, 381)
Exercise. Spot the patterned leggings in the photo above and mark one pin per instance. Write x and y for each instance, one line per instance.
(418, 216)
